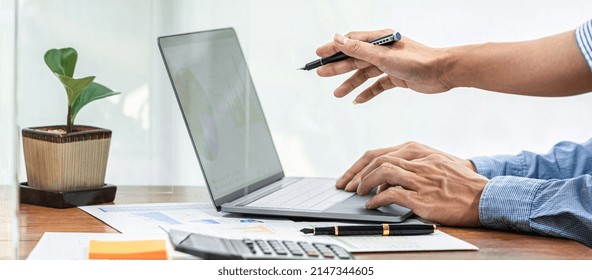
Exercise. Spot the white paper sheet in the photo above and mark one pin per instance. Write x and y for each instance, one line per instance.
(438, 241)
(150, 218)
(74, 245)
(156, 218)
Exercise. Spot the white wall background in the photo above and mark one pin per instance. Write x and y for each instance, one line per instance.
(7, 100)
(315, 133)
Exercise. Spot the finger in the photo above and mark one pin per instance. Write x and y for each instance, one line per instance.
(387, 173)
(341, 67)
(387, 158)
(359, 165)
(357, 79)
(376, 55)
(390, 196)
(329, 49)
(352, 186)
(382, 188)
(378, 87)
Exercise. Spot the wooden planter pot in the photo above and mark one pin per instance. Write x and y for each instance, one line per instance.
(66, 165)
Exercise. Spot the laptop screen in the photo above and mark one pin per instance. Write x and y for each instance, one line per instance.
(222, 111)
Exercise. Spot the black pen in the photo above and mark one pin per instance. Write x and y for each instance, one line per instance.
(382, 41)
(384, 229)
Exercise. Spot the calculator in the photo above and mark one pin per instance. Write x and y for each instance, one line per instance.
(216, 248)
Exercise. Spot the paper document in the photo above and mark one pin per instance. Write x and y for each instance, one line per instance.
(202, 218)
(150, 218)
(437, 241)
(74, 245)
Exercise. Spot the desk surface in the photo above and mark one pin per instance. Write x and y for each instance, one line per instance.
(35, 220)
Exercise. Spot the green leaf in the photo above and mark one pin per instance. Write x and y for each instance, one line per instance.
(91, 93)
(74, 87)
(62, 61)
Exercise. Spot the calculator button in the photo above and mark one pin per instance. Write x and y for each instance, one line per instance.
(344, 256)
(277, 247)
(297, 252)
(264, 247)
(321, 247)
(250, 245)
(325, 251)
(310, 251)
(340, 252)
(275, 244)
(307, 248)
(312, 254)
(293, 248)
(305, 245)
(328, 255)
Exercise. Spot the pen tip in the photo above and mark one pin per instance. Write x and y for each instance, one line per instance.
(300, 69)
(306, 230)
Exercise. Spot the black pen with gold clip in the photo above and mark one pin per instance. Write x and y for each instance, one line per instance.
(384, 229)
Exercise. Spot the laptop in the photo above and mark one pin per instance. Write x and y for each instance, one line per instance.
(232, 141)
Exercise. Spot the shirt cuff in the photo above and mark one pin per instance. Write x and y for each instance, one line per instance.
(506, 203)
(584, 40)
(505, 165)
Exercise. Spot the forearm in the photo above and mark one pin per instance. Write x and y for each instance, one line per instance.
(550, 66)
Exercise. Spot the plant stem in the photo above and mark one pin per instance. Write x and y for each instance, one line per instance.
(69, 120)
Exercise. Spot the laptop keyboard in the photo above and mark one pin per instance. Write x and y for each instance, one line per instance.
(305, 194)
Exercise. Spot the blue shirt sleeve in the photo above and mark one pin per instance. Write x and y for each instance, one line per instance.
(548, 194)
(560, 208)
(565, 160)
(584, 39)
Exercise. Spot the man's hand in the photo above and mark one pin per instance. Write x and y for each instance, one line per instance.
(407, 64)
(407, 151)
(437, 186)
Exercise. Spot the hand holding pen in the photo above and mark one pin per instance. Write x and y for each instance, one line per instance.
(405, 64)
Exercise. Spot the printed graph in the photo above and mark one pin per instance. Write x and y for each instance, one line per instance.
(159, 218)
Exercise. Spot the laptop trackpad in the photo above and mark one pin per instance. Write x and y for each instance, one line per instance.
(356, 205)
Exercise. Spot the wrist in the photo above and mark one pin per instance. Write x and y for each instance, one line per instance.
(451, 67)
(457, 66)
(470, 165)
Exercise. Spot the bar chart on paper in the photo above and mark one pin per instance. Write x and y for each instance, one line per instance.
(154, 218)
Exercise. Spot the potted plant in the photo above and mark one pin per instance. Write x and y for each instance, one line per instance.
(66, 164)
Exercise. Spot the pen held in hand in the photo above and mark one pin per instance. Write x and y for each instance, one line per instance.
(383, 229)
(382, 41)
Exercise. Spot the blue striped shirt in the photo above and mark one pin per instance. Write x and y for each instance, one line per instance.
(584, 38)
(546, 194)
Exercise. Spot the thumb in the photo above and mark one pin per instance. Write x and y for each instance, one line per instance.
(360, 50)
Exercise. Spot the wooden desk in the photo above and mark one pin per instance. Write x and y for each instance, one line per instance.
(35, 220)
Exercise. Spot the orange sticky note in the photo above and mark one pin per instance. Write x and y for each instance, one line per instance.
(127, 250)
